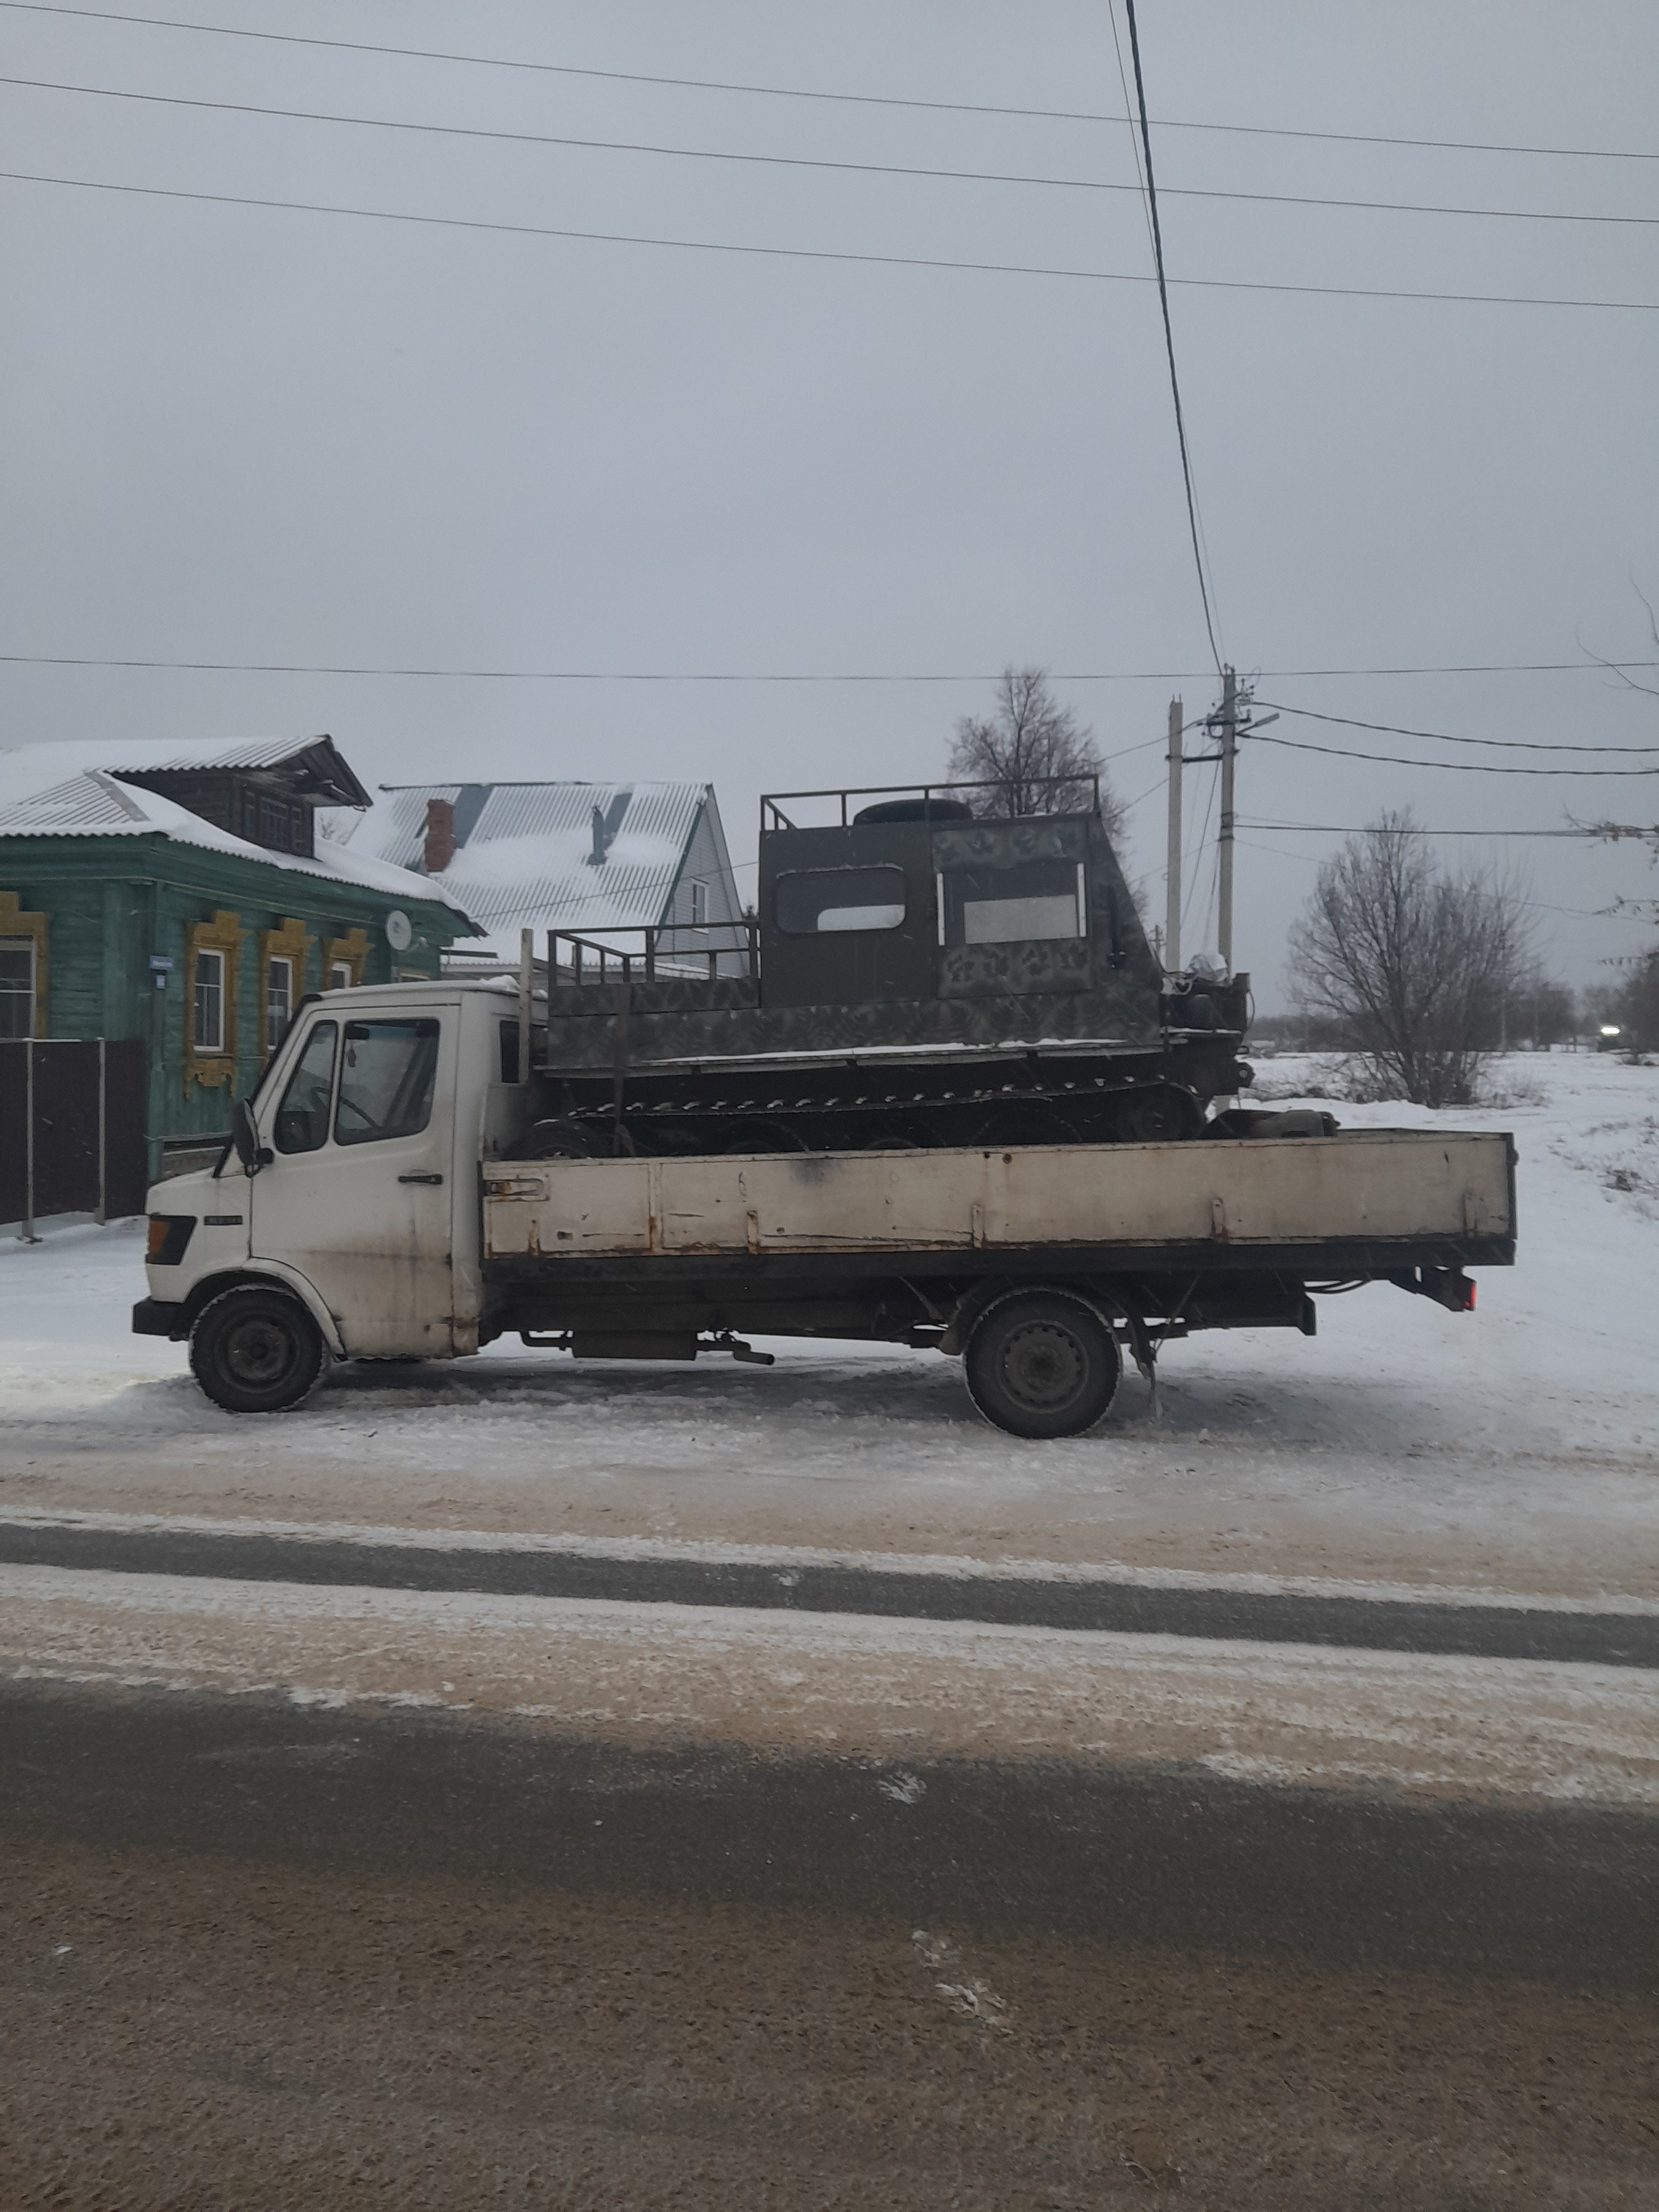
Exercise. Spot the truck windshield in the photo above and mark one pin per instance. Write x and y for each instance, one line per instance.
(385, 1080)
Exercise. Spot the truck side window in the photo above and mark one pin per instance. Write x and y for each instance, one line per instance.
(301, 1123)
(815, 900)
(1004, 906)
(509, 1052)
(385, 1080)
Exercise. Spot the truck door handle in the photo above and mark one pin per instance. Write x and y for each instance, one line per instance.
(420, 1178)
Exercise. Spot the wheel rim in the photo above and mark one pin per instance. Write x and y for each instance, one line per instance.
(258, 1352)
(1044, 1366)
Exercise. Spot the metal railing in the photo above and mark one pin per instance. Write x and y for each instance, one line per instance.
(774, 817)
(669, 949)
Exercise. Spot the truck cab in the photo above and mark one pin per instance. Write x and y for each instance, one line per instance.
(358, 1196)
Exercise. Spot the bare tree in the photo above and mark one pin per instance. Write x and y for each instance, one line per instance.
(1027, 737)
(1416, 966)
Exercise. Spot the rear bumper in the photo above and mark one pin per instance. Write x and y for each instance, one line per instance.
(158, 1318)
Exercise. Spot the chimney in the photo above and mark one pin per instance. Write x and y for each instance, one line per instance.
(439, 835)
(596, 858)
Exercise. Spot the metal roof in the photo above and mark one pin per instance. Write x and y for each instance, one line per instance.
(523, 849)
(38, 799)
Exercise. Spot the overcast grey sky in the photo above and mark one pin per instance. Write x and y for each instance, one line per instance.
(246, 434)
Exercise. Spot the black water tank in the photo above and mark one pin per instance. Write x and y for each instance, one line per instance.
(915, 810)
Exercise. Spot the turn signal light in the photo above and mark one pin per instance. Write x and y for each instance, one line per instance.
(169, 1233)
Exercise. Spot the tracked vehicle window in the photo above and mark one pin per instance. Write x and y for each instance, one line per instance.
(385, 1081)
(821, 899)
(1005, 906)
(302, 1121)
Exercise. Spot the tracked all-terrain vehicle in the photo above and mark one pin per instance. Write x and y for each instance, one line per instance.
(916, 974)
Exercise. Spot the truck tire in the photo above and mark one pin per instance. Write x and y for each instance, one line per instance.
(255, 1351)
(1041, 1364)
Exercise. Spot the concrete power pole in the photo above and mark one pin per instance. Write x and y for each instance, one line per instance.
(1172, 871)
(1226, 726)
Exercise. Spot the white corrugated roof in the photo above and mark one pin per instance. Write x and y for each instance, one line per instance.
(68, 791)
(522, 861)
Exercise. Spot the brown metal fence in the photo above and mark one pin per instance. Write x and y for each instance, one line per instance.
(71, 1128)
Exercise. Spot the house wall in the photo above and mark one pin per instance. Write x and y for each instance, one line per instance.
(110, 903)
(706, 860)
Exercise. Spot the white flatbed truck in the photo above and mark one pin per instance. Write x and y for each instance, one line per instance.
(368, 1209)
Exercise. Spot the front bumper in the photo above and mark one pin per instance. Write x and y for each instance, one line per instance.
(159, 1317)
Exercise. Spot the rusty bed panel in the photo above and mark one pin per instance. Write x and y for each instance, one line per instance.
(1364, 1185)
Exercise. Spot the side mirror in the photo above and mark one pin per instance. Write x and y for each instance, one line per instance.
(245, 1138)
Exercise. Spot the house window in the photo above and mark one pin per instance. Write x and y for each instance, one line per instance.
(209, 1001)
(16, 986)
(273, 822)
(279, 1001)
(699, 905)
(339, 974)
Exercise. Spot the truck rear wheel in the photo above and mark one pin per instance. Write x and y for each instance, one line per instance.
(1041, 1364)
(255, 1351)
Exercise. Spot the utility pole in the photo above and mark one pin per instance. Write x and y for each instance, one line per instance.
(1226, 725)
(1172, 872)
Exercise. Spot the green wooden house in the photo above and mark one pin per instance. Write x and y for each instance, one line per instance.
(187, 895)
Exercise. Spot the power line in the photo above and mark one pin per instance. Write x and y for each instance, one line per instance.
(1362, 830)
(739, 676)
(1445, 737)
(1461, 768)
(798, 92)
(801, 252)
(1169, 331)
(804, 162)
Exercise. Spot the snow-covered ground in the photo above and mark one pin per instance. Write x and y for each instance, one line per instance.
(1515, 1449)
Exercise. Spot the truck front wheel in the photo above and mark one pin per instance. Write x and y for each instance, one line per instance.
(1041, 1364)
(255, 1351)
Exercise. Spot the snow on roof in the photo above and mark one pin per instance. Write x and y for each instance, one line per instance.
(37, 798)
(522, 857)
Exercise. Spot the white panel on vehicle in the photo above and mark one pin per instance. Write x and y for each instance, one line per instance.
(1011, 921)
(859, 917)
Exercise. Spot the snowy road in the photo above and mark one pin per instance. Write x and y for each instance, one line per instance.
(260, 1955)
(1513, 1451)
(611, 1786)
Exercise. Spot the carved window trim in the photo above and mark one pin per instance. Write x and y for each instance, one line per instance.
(13, 922)
(291, 943)
(223, 934)
(349, 951)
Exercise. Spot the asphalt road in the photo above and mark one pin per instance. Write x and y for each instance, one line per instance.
(1447, 1629)
(261, 1955)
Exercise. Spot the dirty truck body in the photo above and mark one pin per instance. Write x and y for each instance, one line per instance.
(371, 1210)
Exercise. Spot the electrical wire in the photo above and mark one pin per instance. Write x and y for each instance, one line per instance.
(1169, 332)
(1444, 737)
(806, 162)
(1459, 768)
(1361, 830)
(734, 676)
(797, 92)
(805, 252)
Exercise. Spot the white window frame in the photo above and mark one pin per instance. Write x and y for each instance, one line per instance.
(274, 1030)
(30, 946)
(340, 975)
(211, 1046)
(699, 903)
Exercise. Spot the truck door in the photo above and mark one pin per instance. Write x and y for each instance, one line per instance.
(357, 1194)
